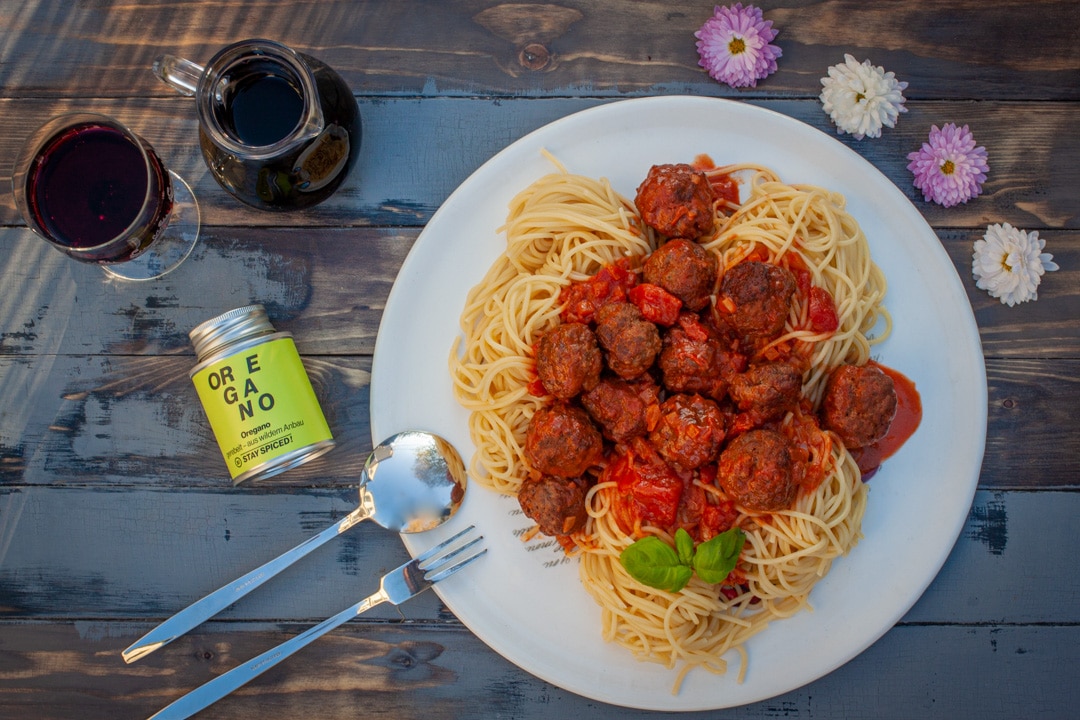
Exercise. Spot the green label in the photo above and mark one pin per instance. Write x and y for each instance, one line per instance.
(260, 405)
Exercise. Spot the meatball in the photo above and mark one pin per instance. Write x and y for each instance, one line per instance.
(693, 360)
(859, 404)
(766, 391)
(689, 432)
(631, 341)
(676, 201)
(561, 440)
(623, 409)
(755, 470)
(568, 360)
(685, 269)
(555, 504)
(758, 296)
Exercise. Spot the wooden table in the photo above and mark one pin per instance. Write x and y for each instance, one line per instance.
(115, 509)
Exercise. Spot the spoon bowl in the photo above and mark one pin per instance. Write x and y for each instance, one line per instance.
(412, 482)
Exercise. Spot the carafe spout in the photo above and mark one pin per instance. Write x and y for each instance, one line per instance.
(312, 128)
(182, 74)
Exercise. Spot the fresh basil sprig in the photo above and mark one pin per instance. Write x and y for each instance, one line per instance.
(653, 562)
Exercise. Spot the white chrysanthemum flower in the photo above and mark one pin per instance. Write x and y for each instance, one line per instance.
(861, 98)
(1009, 263)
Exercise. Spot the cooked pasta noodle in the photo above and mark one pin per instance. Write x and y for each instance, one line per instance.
(564, 228)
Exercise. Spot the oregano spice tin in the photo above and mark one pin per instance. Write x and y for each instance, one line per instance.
(257, 395)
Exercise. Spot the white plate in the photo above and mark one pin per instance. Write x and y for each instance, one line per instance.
(525, 600)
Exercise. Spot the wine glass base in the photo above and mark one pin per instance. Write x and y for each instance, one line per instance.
(173, 245)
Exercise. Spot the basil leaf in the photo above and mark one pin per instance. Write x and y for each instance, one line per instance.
(653, 562)
(684, 545)
(715, 559)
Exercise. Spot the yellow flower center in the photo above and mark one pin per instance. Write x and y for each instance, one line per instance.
(948, 167)
(736, 46)
(1005, 262)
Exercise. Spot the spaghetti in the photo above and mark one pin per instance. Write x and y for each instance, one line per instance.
(564, 229)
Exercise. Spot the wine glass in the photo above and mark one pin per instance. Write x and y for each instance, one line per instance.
(100, 194)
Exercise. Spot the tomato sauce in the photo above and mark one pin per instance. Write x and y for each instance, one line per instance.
(724, 187)
(612, 283)
(821, 309)
(905, 422)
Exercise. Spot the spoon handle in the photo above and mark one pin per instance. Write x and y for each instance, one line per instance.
(223, 597)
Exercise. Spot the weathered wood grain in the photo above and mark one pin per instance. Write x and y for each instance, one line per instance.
(149, 553)
(328, 287)
(416, 151)
(573, 47)
(1030, 329)
(53, 671)
(125, 421)
(1039, 407)
(130, 421)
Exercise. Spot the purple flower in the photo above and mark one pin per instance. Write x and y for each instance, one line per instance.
(734, 46)
(949, 169)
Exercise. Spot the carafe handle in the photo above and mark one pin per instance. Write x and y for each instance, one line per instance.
(182, 74)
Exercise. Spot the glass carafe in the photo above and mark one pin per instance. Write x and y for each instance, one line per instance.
(278, 129)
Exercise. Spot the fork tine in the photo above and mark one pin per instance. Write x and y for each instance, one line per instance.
(434, 563)
(444, 572)
(433, 551)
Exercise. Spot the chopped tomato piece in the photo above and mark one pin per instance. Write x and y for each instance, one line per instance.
(716, 519)
(822, 309)
(581, 300)
(656, 304)
(823, 316)
(536, 388)
(693, 327)
(649, 488)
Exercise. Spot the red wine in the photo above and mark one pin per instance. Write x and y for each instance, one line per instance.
(263, 104)
(264, 109)
(89, 185)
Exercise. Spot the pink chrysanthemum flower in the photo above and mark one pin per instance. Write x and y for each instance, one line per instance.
(734, 46)
(949, 169)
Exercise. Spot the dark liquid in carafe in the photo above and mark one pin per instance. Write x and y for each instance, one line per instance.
(266, 105)
(265, 108)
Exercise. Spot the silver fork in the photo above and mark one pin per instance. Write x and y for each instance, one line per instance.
(397, 586)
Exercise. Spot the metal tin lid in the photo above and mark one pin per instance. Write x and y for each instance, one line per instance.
(229, 327)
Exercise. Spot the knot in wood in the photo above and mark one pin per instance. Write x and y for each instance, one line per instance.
(534, 56)
(401, 658)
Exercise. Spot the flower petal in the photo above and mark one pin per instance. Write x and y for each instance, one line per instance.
(755, 60)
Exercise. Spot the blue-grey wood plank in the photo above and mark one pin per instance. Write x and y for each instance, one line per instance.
(148, 553)
(417, 150)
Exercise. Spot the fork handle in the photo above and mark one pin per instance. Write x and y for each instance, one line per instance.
(202, 610)
(209, 693)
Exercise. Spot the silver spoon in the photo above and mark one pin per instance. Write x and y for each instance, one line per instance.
(413, 481)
